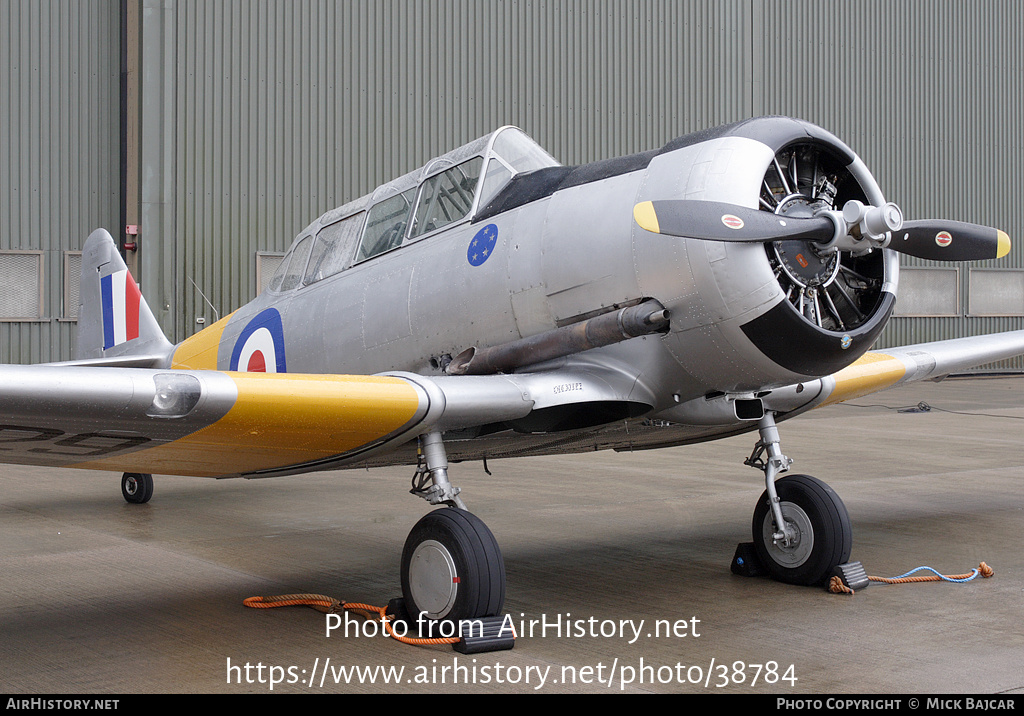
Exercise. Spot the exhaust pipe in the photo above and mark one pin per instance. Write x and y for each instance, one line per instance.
(642, 319)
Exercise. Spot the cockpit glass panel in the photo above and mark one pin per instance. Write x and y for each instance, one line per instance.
(520, 152)
(278, 277)
(385, 225)
(333, 248)
(447, 197)
(297, 265)
(496, 177)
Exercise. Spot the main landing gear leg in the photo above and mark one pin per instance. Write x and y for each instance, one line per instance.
(801, 529)
(433, 464)
(452, 568)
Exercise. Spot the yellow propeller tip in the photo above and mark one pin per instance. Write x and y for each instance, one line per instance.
(645, 217)
(1003, 246)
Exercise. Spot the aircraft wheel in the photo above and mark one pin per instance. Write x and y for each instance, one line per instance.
(137, 487)
(452, 568)
(824, 536)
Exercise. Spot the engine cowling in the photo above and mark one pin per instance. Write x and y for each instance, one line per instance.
(806, 301)
(836, 302)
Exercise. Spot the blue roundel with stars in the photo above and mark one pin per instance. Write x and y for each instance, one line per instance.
(482, 245)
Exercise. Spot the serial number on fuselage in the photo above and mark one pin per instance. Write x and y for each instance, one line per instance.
(567, 388)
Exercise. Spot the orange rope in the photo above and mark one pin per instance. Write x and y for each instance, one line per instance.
(328, 605)
(836, 585)
(983, 569)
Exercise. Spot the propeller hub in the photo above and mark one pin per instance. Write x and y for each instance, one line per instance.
(804, 266)
(800, 260)
(873, 221)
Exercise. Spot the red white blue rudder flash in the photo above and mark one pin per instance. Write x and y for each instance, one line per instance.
(259, 348)
(121, 299)
(115, 326)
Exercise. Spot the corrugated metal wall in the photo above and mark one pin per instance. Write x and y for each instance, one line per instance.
(278, 111)
(286, 110)
(59, 168)
(930, 95)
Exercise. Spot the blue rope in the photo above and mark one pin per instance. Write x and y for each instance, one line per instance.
(837, 584)
(940, 576)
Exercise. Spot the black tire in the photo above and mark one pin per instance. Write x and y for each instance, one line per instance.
(137, 487)
(452, 568)
(825, 535)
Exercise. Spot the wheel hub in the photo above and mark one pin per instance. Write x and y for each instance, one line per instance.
(797, 549)
(433, 579)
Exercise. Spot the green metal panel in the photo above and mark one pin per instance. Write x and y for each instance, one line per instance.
(59, 169)
(259, 115)
(929, 94)
(287, 110)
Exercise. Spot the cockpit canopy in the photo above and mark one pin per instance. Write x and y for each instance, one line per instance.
(446, 191)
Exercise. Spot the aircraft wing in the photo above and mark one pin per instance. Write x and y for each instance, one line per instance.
(887, 368)
(221, 424)
(879, 370)
(228, 424)
(217, 424)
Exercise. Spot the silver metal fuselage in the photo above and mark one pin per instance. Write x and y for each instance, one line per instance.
(520, 308)
(557, 260)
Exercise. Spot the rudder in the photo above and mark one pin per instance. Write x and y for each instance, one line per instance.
(115, 325)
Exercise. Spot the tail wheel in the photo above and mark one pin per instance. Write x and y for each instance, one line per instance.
(452, 568)
(823, 537)
(136, 487)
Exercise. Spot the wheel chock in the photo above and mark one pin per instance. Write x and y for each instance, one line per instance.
(745, 562)
(486, 634)
(397, 611)
(852, 575)
(481, 635)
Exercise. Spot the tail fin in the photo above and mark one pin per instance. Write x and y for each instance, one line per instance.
(115, 325)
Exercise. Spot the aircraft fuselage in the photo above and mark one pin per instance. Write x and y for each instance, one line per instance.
(560, 245)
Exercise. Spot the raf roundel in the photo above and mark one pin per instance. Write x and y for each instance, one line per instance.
(482, 245)
(260, 346)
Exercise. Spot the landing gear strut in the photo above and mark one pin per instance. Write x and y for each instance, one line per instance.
(452, 568)
(801, 528)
